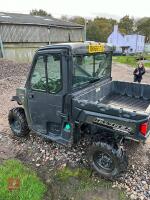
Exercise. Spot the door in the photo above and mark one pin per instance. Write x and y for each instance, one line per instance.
(45, 93)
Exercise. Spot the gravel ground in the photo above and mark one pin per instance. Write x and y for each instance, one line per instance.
(45, 155)
(125, 73)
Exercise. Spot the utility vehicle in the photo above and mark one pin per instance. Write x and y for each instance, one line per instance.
(69, 94)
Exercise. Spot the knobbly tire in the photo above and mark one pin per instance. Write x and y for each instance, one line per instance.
(18, 123)
(108, 160)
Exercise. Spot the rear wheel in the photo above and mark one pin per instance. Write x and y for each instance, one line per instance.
(17, 121)
(108, 160)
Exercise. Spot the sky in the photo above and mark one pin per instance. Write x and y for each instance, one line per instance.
(85, 8)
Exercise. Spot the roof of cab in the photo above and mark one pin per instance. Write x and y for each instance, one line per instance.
(76, 47)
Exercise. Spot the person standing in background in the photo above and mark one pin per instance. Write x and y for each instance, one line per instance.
(139, 72)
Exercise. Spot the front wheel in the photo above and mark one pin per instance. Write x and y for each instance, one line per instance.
(108, 160)
(17, 121)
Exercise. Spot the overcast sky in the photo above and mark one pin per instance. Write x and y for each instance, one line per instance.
(85, 8)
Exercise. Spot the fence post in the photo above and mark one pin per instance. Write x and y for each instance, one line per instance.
(1, 48)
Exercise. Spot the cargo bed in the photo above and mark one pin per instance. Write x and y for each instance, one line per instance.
(126, 102)
(125, 95)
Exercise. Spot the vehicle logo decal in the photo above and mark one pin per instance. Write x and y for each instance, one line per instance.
(112, 125)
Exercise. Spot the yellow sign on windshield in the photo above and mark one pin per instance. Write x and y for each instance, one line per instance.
(96, 48)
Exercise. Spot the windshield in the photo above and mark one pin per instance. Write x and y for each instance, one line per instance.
(90, 68)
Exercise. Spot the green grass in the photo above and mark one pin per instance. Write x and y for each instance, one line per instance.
(66, 184)
(31, 187)
(65, 173)
(85, 182)
(130, 60)
(84, 176)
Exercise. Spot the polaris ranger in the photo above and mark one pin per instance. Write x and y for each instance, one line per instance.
(69, 94)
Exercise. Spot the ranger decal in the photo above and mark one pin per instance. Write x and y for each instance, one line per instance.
(112, 125)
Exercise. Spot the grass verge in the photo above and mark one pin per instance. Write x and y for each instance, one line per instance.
(81, 185)
(130, 60)
(18, 182)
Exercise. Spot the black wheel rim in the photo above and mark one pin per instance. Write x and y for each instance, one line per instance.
(16, 125)
(103, 161)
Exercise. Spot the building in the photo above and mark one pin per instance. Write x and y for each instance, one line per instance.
(22, 34)
(117, 40)
(129, 44)
(136, 43)
(147, 48)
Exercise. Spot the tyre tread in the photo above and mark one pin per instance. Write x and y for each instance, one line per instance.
(117, 152)
(19, 112)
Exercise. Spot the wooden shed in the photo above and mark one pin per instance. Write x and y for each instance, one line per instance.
(22, 34)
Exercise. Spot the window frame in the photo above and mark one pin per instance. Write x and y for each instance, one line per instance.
(84, 85)
(45, 55)
(61, 74)
(32, 71)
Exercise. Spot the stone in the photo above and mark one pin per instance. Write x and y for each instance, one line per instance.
(133, 197)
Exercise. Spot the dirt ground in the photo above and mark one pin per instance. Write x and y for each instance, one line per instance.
(10, 147)
(125, 73)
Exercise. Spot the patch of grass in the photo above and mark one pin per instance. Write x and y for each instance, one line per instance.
(83, 175)
(30, 186)
(122, 196)
(85, 183)
(130, 60)
(65, 173)
(147, 64)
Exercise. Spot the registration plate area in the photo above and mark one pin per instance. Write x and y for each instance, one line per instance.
(96, 48)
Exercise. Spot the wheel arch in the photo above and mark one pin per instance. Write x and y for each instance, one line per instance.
(17, 99)
(96, 132)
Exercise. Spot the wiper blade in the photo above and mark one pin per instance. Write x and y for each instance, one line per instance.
(94, 80)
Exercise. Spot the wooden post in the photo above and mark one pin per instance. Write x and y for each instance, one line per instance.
(1, 48)
(49, 35)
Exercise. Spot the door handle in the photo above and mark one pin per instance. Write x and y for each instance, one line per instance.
(62, 115)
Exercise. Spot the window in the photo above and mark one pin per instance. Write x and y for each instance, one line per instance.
(90, 67)
(54, 73)
(131, 50)
(38, 78)
(47, 73)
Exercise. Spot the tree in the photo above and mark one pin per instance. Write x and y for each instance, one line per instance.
(93, 32)
(143, 28)
(40, 12)
(100, 28)
(97, 30)
(64, 17)
(78, 20)
(126, 25)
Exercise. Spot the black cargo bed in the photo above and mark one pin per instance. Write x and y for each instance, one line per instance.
(118, 94)
(123, 101)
